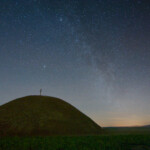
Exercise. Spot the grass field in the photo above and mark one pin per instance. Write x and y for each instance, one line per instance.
(103, 142)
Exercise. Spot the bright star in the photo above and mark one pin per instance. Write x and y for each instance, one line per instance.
(44, 66)
(60, 19)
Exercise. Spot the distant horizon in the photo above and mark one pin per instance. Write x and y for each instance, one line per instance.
(126, 126)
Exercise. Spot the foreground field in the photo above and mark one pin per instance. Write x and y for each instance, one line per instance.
(104, 142)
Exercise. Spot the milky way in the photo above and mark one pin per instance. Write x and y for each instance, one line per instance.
(93, 54)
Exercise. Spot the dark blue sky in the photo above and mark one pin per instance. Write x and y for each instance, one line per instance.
(93, 54)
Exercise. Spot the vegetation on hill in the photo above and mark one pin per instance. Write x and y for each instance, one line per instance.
(43, 115)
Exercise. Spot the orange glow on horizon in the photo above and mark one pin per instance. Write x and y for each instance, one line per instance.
(123, 122)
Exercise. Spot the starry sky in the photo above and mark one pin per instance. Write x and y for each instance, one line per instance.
(95, 54)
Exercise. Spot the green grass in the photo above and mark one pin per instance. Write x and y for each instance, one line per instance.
(103, 142)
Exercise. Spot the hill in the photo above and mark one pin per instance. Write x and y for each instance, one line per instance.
(43, 115)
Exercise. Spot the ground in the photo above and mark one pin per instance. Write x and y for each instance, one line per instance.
(102, 142)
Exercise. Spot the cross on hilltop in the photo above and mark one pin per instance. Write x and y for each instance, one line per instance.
(40, 92)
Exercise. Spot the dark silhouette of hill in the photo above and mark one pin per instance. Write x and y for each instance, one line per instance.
(43, 115)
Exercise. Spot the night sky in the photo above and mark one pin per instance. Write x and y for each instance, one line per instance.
(94, 54)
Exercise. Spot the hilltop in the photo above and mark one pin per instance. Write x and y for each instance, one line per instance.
(44, 115)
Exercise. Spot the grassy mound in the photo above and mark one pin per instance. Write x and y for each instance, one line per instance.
(43, 115)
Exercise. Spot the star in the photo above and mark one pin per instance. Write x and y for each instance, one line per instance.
(60, 19)
(44, 66)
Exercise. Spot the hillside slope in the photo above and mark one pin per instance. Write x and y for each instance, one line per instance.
(43, 115)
